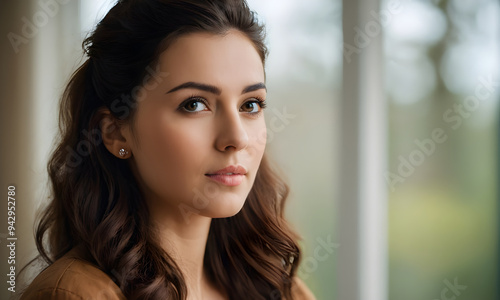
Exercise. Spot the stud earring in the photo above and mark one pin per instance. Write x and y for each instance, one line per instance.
(122, 152)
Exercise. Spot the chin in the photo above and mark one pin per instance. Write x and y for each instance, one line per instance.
(223, 210)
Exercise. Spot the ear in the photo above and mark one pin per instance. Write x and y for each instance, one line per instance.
(112, 134)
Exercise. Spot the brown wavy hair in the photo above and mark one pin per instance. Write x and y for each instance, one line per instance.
(96, 202)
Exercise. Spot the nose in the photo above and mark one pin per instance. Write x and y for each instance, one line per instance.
(231, 132)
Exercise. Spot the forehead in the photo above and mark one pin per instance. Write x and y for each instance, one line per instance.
(229, 60)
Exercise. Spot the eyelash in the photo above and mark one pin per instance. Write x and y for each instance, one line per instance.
(257, 99)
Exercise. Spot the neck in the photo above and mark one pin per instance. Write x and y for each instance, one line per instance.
(185, 240)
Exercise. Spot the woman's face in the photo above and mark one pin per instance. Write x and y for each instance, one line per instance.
(202, 115)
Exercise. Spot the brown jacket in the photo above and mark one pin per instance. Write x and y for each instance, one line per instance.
(74, 278)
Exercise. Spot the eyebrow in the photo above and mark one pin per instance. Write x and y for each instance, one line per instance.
(213, 89)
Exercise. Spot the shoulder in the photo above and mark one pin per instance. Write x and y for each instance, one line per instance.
(72, 277)
(301, 291)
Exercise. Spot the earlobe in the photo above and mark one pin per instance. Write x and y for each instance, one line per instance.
(112, 137)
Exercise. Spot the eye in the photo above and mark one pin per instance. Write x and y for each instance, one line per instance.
(194, 105)
(253, 106)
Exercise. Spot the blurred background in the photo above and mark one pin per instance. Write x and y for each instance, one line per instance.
(421, 224)
(442, 61)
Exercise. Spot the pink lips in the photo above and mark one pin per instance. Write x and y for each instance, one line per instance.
(230, 176)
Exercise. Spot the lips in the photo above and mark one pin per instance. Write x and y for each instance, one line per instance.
(230, 176)
(230, 170)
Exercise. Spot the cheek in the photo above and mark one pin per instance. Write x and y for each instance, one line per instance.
(257, 134)
(257, 139)
(171, 155)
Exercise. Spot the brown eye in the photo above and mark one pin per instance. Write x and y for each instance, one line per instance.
(194, 105)
(252, 106)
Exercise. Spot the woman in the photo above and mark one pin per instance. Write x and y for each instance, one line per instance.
(161, 189)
